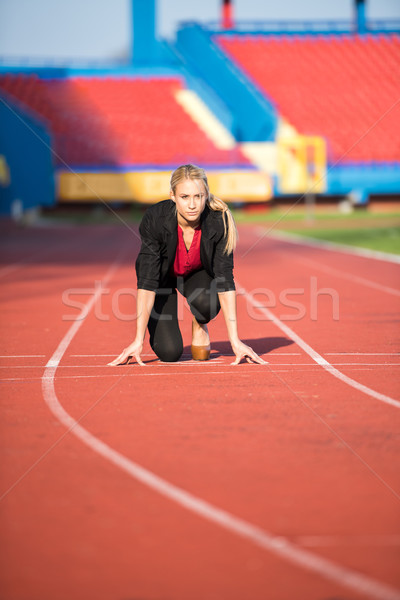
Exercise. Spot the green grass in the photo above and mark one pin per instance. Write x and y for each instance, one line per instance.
(384, 239)
(360, 228)
(284, 215)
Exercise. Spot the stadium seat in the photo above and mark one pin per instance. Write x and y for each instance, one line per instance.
(117, 121)
(343, 87)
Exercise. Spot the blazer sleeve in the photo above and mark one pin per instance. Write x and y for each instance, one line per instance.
(223, 267)
(149, 258)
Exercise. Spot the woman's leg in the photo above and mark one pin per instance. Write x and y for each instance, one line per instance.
(165, 335)
(201, 294)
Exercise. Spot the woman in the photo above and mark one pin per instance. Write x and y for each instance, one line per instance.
(187, 245)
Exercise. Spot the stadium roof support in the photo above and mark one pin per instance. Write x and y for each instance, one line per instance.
(227, 14)
(144, 44)
(361, 25)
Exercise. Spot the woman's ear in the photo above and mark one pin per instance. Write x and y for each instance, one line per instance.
(171, 195)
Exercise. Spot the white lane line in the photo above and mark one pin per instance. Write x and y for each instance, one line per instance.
(106, 355)
(165, 374)
(158, 364)
(292, 238)
(277, 545)
(348, 276)
(201, 364)
(22, 356)
(275, 364)
(362, 353)
(272, 353)
(346, 540)
(345, 364)
(317, 357)
(144, 354)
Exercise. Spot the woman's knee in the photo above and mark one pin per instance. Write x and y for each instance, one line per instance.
(167, 351)
(205, 306)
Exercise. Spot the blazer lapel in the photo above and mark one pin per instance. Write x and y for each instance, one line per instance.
(208, 231)
(170, 221)
(208, 226)
(170, 232)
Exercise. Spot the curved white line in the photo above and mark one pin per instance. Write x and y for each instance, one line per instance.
(349, 276)
(294, 238)
(278, 545)
(317, 357)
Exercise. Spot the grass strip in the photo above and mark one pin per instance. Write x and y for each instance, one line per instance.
(384, 239)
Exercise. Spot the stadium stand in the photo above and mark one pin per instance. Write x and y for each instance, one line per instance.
(117, 121)
(341, 86)
(267, 112)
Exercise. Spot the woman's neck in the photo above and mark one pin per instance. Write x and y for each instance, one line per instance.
(186, 225)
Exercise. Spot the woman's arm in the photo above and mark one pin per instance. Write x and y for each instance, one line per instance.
(228, 305)
(144, 304)
(148, 274)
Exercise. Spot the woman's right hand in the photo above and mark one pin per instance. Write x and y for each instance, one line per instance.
(134, 349)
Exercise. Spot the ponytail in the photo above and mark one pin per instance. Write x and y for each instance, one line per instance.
(230, 231)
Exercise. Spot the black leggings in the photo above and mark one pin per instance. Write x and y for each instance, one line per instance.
(200, 291)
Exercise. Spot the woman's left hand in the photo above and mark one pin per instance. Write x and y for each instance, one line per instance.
(241, 351)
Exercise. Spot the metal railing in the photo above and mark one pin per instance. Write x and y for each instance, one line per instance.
(301, 26)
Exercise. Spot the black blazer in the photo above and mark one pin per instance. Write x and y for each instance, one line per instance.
(158, 232)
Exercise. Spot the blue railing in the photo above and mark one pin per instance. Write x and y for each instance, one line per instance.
(254, 117)
(301, 27)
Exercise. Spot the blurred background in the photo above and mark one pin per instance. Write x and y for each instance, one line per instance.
(293, 109)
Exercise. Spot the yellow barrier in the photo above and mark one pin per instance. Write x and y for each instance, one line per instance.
(5, 178)
(150, 187)
(301, 165)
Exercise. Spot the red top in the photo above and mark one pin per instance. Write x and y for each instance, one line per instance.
(187, 261)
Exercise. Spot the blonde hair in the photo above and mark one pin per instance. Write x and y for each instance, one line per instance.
(192, 172)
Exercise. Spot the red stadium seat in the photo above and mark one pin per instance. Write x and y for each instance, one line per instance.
(343, 87)
(118, 121)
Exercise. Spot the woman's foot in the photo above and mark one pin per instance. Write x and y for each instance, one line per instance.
(200, 341)
(200, 335)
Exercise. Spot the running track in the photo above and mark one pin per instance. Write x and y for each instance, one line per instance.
(198, 480)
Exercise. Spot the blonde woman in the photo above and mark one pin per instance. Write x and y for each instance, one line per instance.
(187, 246)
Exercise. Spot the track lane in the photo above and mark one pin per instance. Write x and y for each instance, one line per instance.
(210, 512)
(253, 577)
(329, 308)
(180, 378)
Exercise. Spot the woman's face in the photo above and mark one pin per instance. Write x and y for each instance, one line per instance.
(190, 199)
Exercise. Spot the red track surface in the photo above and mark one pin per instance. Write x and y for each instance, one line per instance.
(286, 447)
